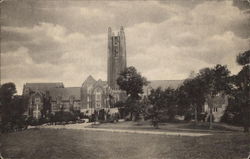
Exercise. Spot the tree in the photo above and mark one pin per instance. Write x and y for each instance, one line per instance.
(156, 99)
(163, 103)
(12, 107)
(192, 96)
(7, 92)
(242, 87)
(208, 83)
(132, 82)
(214, 81)
(46, 109)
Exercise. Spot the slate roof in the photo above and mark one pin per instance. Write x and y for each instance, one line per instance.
(154, 84)
(165, 83)
(34, 86)
(65, 93)
(42, 87)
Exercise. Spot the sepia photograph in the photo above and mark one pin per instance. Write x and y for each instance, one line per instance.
(125, 79)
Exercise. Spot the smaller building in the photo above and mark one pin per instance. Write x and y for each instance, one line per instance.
(38, 93)
(220, 103)
(93, 97)
(65, 99)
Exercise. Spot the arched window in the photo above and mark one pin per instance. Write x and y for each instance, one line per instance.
(98, 97)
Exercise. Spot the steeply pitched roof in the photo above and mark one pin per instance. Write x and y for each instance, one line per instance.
(89, 81)
(44, 85)
(65, 93)
(174, 84)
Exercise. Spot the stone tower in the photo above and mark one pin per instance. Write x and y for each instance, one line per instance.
(116, 56)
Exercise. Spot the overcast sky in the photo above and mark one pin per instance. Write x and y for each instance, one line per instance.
(65, 41)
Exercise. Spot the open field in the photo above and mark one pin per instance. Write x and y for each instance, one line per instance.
(76, 144)
(179, 126)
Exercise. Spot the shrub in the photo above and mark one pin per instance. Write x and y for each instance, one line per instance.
(32, 121)
(64, 116)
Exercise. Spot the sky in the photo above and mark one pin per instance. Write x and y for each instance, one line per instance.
(66, 41)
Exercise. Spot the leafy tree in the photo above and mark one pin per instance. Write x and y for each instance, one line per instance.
(163, 105)
(242, 87)
(12, 107)
(132, 82)
(233, 112)
(204, 86)
(191, 96)
(46, 109)
(7, 92)
(243, 59)
(214, 81)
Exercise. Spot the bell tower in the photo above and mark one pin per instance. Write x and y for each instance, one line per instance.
(116, 56)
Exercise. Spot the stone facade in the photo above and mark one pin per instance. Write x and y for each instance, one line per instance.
(99, 96)
(37, 93)
(116, 56)
(220, 103)
(92, 96)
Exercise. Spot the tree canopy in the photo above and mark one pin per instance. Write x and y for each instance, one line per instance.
(12, 106)
(132, 82)
(241, 89)
(214, 80)
(243, 58)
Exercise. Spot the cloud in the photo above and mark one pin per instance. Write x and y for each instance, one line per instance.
(50, 53)
(165, 40)
(188, 41)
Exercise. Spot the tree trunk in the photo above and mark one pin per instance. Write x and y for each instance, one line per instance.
(211, 118)
(195, 115)
(246, 120)
(210, 105)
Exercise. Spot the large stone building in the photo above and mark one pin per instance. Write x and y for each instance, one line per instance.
(93, 95)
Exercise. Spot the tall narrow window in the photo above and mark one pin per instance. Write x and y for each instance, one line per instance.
(98, 98)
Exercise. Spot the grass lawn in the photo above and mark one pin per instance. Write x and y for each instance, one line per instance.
(178, 126)
(73, 144)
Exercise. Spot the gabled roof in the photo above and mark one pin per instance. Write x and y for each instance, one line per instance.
(46, 85)
(42, 87)
(65, 93)
(164, 84)
(89, 81)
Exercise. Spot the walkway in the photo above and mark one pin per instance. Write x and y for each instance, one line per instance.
(83, 126)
